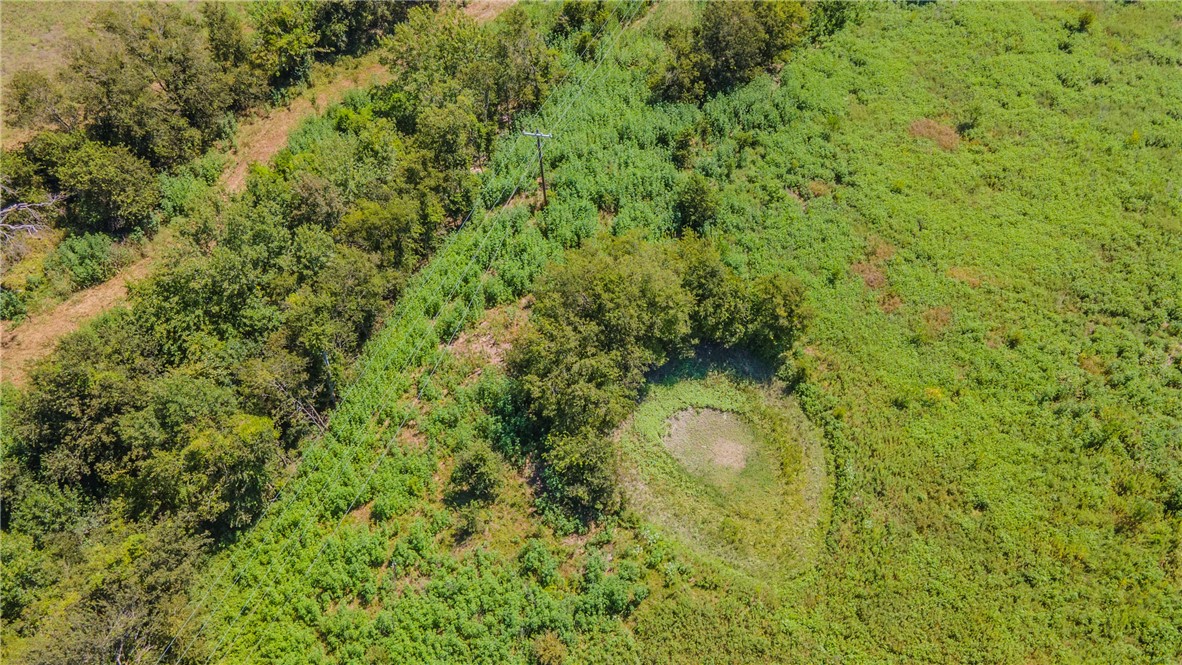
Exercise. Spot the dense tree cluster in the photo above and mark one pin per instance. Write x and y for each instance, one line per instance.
(154, 87)
(730, 43)
(608, 314)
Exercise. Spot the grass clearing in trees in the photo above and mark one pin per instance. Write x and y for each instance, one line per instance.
(729, 466)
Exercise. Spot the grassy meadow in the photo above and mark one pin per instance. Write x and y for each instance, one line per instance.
(971, 454)
(983, 200)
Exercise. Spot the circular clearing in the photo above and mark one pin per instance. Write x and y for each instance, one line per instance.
(704, 440)
(729, 467)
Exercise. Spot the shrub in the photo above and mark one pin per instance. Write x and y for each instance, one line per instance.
(696, 204)
(548, 649)
(83, 260)
(12, 306)
(477, 474)
(536, 560)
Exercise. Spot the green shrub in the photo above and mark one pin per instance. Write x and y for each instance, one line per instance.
(537, 561)
(696, 204)
(477, 474)
(84, 260)
(12, 305)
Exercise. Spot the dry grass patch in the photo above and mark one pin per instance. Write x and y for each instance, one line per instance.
(890, 302)
(710, 443)
(871, 274)
(935, 321)
(942, 135)
(970, 276)
(818, 188)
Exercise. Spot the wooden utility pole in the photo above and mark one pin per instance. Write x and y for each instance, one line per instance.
(541, 167)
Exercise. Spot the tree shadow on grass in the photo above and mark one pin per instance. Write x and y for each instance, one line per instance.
(737, 364)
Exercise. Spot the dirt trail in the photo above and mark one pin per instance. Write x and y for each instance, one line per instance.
(37, 335)
(259, 139)
(486, 10)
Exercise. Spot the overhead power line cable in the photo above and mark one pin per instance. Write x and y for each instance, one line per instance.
(348, 399)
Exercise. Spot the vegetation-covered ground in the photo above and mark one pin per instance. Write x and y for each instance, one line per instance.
(950, 232)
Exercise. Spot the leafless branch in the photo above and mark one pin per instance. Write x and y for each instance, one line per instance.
(302, 407)
(34, 212)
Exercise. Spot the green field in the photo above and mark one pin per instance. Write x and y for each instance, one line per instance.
(980, 202)
(970, 452)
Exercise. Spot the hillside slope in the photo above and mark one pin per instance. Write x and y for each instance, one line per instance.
(993, 362)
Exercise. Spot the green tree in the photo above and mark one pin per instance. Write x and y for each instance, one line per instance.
(149, 82)
(393, 230)
(285, 41)
(582, 470)
(110, 188)
(778, 313)
(735, 40)
(729, 44)
(827, 17)
(602, 318)
(696, 203)
(125, 599)
(23, 572)
(683, 76)
(526, 66)
(232, 49)
(345, 27)
(229, 471)
(32, 99)
(721, 302)
(67, 420)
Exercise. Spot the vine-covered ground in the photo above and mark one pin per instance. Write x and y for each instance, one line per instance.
(982, 200)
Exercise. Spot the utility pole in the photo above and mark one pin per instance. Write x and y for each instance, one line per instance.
(541, 168)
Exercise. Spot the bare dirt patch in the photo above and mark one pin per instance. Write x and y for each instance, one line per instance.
(482, 345)
(487, 10)
(705, 440)
(261, 137)
(37, 336)
(943, 135)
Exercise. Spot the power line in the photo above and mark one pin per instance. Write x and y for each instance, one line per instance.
(393, 436)
(349, 393)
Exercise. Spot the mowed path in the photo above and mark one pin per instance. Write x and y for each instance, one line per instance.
(37, 335)
(259, 139)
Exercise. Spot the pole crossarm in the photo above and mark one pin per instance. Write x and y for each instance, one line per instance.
(541, 167)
